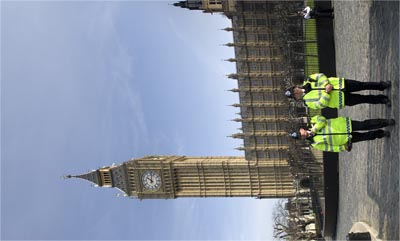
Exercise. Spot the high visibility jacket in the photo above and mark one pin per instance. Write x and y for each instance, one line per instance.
(317, 98)
(323, 129)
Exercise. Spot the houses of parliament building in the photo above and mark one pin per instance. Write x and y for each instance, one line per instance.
(268, 166)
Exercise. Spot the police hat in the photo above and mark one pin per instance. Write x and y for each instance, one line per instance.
(289, 92)
(295, 135)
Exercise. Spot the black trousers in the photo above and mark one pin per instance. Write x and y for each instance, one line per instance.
(355, 99)
(368, 125)
(321, 13)
(326, 10)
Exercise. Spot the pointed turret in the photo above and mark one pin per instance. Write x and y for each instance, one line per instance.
(206, 5)
(107, 176)
(238, 135)
(233, 76)
(228, 29)
(231, 60)
(92, 176)
(189, 4)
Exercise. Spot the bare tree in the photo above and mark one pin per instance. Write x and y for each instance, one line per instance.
(284, 229)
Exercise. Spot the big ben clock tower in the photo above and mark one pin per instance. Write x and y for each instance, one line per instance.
(165, 177)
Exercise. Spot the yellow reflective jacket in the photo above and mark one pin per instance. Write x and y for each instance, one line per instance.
(324, 128)
(317, 98)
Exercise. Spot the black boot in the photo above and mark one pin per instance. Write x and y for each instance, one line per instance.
(386, 84)
(387, 102)
(380, 134)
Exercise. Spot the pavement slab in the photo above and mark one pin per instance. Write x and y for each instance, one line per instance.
(367, 49)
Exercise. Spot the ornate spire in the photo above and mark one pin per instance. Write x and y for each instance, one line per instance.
(180, 4)
(233, 76)
(238, 135)
(92, 176)
(237, 119)
(231, 60)
(228, 29)
(189, 4)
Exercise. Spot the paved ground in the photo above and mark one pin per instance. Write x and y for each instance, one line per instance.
(367, 49)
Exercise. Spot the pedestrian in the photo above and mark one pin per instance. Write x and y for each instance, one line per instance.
(338, 134)
(318, 92)
(316, 13)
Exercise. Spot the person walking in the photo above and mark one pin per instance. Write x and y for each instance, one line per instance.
(338, 134)
(316, 13)
(318, 92)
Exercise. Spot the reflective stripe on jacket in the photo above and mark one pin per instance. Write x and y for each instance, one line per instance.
(324, 128)
(317, 98)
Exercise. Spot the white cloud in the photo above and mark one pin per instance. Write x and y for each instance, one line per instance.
(202, 46)
(119, 63)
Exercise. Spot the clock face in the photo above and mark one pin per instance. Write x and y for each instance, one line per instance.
(151, 180)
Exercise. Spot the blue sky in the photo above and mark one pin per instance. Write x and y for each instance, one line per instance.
(86, 84)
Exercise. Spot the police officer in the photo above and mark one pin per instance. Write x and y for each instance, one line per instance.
(338, 134)
(318, 91)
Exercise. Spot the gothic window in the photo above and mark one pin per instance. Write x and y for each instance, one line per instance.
(259, 97)
(258, 112)
(265, 67)
(273, 140)
(273, 154)
(251, 37)
(270, 112)
(271, 126)
(254, 52)
(256, 83)
(260, 127)
(283, 141)
(261, 22)
(248, 22)
(260, 140)
(254, 67)
(262, 37)
(267, 82)
(261, 154)
(283, 112)
(247, 6)
(262, 52)
(268, 97)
